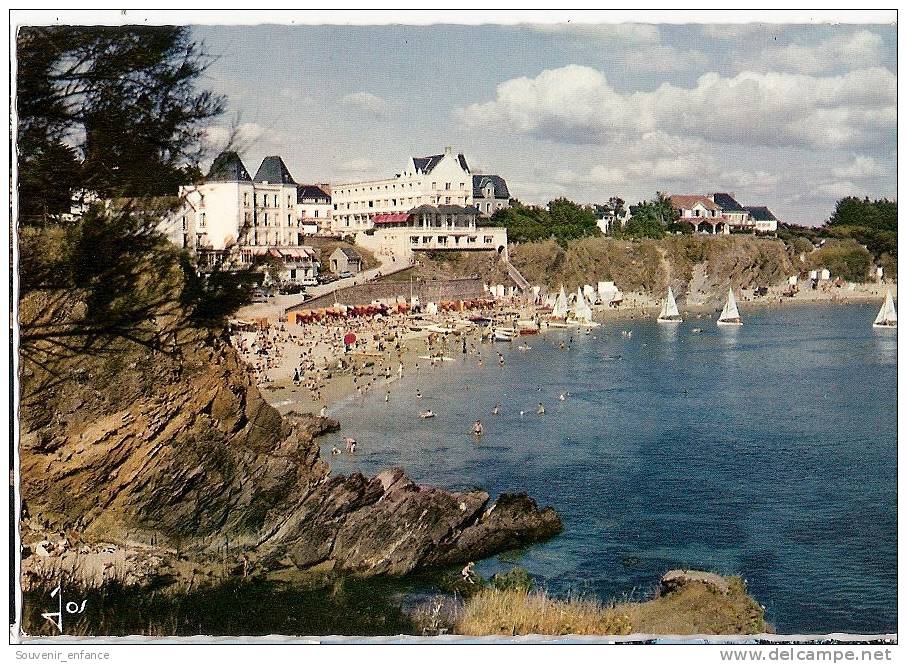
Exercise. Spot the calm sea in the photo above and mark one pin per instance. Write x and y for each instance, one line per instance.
(768, 451)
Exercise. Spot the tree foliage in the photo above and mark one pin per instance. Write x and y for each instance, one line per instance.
(843, 258)
(564, 220)
(115, 112)
(653, 218)
(111, 110)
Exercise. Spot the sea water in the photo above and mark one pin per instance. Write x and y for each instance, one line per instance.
(768, 451)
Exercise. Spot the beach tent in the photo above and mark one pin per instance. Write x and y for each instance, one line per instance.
(590, 294)
(608, 293)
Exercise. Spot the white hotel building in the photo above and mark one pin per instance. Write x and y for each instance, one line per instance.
(441, 179)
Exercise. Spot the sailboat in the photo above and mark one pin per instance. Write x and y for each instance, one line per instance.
(888, 316)
(559, 312)
(730, 315)
(582, 314)
(669, 313)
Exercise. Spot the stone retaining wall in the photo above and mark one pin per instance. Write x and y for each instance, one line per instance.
(427, 291)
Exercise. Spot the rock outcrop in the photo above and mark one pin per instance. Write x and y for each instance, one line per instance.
(178, 449)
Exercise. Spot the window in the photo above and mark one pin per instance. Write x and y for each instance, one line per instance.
(316, 214)
(288, 201)
(255, 199)
(201, 220)
(414, 239)
(462, 185)
(289, 220)
(488, 239)
(434, 185)
(447, 186)
(371, 204)
(266, 218)
(185, 225)
(245, 199)
(447, 199)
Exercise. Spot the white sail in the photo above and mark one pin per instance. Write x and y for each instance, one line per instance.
(888, 315)
(669, 307)
(560, 305)
(581, 310)
(730, 308)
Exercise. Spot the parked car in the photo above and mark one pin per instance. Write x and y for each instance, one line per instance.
(259, 295)
(346, 274)
(327, 278)
(292, 289)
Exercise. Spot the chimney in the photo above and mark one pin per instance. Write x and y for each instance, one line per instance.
(448, 150)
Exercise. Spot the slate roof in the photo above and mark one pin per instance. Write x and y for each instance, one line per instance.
(274, 171)
(688, 201)
(228, 167)
(760, 213)
(427, 164)
(350, 253)
(480, 182)
(728, 203)
(309, 191)
(443, 209)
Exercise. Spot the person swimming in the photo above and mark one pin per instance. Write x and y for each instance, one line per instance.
(541, 409)
(563, 396)
(477, 428)
(496, 409)
(426, 414)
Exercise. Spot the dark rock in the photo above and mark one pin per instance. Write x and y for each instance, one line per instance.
(183, 451)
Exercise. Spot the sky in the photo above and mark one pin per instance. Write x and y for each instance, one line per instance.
(789, 116)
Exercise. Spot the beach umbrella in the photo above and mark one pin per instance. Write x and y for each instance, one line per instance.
(349, 339)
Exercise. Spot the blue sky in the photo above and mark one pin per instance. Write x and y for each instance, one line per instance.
(792, 116)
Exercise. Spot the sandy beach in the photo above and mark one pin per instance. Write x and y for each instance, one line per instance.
(308, 368)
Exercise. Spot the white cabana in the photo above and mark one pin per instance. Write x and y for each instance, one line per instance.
(608, 292)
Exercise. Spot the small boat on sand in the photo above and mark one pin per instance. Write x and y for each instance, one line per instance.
(505, 334)
(888, 315)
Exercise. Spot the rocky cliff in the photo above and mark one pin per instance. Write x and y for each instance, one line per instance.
(697, 266)
(171, 444)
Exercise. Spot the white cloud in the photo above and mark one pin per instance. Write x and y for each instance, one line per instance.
(576, 104)
(860, 167)
(368, 102)
(862, 48)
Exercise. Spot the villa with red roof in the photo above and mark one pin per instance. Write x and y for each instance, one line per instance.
(720, 213)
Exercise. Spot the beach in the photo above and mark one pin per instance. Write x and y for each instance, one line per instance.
(307, 368)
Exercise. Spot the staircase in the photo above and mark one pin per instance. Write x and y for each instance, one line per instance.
(514, 274)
